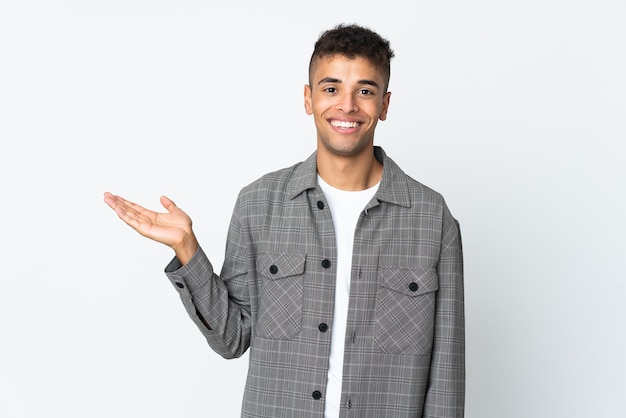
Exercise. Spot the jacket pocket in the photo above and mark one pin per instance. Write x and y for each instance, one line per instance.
(405, 310)
(280, 298)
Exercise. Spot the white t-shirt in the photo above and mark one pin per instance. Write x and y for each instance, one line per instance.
(345, 208)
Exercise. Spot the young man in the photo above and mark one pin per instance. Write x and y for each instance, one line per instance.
(342, 275)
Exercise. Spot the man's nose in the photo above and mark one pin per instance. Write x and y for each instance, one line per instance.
(347, 103)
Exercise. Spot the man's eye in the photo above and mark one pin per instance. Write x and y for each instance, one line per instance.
(330, 89)
(365, 91)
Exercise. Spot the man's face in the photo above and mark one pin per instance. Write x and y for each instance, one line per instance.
(346, 98)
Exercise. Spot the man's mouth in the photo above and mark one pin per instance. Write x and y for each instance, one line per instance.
(344, 124)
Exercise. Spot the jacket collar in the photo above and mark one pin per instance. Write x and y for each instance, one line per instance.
(393, 184)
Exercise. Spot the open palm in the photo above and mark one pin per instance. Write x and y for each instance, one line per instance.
(172, 228)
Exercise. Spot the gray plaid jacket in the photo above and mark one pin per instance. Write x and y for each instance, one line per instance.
(404, 349)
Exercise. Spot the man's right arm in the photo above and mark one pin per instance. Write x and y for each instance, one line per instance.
(219, 305)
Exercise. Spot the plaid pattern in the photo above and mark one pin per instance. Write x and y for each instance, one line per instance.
(404, 350)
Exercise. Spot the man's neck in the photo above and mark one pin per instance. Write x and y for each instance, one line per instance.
(351, 173)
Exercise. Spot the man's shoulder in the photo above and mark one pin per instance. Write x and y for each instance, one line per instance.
(417, 188)
(272, 180)
(281, 184)
(399, 182)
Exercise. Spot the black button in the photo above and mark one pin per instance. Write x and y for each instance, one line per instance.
(413, 287)
(179, 284)
(326, 263)
(273, 269)
(320, 204)
(317, 395)
(323, 327)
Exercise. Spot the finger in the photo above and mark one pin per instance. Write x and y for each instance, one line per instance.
(168, 203)
(139, 221)
(112, 200)
(137, 209)
(116, 203)
(128, 211)
(113, 196)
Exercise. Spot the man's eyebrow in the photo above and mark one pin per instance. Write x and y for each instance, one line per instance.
(336, 80)
(329, 80)
(369, 83)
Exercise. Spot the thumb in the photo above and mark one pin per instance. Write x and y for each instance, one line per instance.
(167, 203)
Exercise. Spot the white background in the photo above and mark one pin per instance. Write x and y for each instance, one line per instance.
(514, 110)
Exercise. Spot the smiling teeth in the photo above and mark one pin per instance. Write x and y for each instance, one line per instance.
(342, 124)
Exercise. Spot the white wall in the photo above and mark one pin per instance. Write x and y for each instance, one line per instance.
(514, 110)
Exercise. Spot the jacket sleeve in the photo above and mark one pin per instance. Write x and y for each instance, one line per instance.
(446, 393)
(220, 301)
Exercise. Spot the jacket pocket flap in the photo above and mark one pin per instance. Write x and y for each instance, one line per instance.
(280, 265)
(410, 281)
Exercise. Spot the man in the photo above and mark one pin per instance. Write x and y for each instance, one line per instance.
(342, 274)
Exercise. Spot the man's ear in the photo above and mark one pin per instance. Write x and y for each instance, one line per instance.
(383, 112)
(308, 105)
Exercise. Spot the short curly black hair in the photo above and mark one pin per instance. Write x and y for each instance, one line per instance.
(354, 41)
